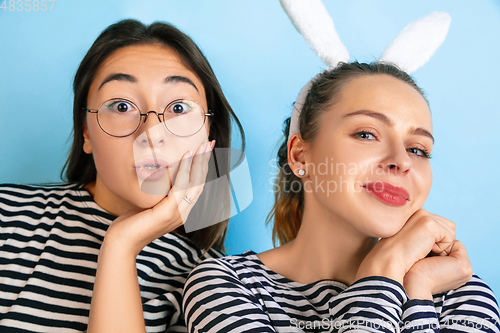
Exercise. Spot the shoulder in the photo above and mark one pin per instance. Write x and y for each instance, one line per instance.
(218, 293)
(173, 255)
(229, 278)
(40, 190)
(473, 297)
(234, 266)
(17, 195)
(475, 288)
(65, 200)
(238, 273)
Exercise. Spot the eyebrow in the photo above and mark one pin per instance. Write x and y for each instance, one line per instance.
(132, 79)
(388, 122)
(177, 78)
(118, 77)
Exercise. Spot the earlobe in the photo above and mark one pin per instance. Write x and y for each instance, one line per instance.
(87, 146)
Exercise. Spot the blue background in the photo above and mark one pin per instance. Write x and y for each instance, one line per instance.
(262, 62)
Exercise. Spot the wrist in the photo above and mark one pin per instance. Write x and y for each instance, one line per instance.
(418, 292)
(379, 266)
(416, 287)
(114, 244)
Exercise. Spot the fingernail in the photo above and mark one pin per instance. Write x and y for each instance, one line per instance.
(212, 145)
(189, 154)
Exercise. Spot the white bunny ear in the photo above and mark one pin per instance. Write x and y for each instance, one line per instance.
(416, 44)
(311, 19)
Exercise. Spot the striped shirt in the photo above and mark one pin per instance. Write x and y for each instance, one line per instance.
(50, 237)
(240, 294)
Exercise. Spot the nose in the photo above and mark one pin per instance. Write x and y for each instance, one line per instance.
(152, 131)
(397, 160)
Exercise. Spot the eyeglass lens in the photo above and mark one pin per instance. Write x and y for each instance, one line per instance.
(120, 117)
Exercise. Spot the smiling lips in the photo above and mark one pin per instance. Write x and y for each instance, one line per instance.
(388, 194)
(151, 169)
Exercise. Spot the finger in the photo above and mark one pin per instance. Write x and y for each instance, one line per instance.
(183, 183)
(199, 171)
(199, 168)
(458, 251)
(448, 250)
(444, 238)
(451, 227)
(422, 214)
(445, 232)
(171, 203)
(182, 179)
(445, 222)
(187, 200)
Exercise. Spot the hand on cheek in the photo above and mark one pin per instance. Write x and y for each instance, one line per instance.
(132, 232)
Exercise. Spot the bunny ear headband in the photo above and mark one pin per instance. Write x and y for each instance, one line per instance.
(411, 49)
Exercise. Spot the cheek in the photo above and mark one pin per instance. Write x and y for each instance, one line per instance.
(423, 182)
(340, 161)
(194, 142)
(176, 146)
(112, 156)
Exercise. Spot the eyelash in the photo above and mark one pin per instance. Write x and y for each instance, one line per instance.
(425, 152)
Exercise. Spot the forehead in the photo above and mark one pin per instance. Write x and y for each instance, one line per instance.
(385, 94)
(147, 63)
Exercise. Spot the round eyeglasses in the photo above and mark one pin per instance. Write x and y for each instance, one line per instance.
(120, 117)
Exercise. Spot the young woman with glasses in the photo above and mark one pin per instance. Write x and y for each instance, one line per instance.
(148, 111)
(358, 252)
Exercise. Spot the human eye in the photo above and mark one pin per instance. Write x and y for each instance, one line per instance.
(420, 152)
(119, 106)
(365, 135)
(181, 106)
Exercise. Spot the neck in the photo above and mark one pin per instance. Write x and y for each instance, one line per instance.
(98, 193)
(326, 247)
(104, 198)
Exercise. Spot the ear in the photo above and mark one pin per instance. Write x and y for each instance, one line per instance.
(87, 146)
(296, 151)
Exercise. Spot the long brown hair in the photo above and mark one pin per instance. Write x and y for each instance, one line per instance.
(80, 167)
(288, 207)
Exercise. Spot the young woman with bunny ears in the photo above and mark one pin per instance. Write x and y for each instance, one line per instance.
(372, 124)
(358, 252)
(148, 112)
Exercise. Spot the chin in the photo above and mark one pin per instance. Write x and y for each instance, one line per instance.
(384, 221)
(150, 193)
(385, 234)
(386, 227)
(146, 201)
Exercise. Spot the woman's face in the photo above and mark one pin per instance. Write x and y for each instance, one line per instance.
(150, 76)
(369, 164)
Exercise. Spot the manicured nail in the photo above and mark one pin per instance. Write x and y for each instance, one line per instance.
(212, 145)
(189, 154)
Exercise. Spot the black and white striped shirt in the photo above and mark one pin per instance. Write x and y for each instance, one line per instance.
(240, 294)
(50, 238)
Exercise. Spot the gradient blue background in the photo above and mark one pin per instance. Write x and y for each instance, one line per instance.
(262, 62)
